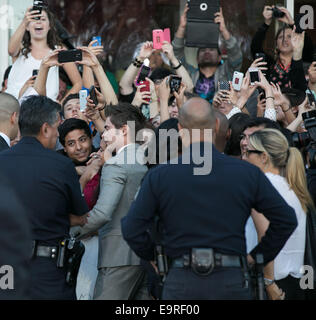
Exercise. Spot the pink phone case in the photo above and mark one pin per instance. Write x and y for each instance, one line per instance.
(158, 38)
(166, 35)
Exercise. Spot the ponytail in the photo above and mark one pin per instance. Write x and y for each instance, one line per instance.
(296, 178)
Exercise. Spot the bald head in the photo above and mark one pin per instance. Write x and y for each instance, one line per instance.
(197, 113)
(9, 110)
(8, 105)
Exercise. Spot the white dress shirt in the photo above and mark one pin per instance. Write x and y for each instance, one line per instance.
(6, 138)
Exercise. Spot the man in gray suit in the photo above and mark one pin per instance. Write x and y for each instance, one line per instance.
(120, 275)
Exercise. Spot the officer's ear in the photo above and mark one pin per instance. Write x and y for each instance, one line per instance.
(14, 118)
(44, 131)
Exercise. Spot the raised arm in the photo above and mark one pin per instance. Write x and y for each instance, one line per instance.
(15, 42)
(180, 70)
(126, 83)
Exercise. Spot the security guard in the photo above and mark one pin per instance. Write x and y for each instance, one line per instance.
(204, 215)
(47, 185)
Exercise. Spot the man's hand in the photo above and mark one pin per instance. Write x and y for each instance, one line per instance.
(219, 18)
(180, 95)
(78, 221)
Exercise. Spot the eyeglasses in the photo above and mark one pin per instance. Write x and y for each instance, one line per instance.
(248, 152)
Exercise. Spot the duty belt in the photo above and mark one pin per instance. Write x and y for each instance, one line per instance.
(44, 251)
(220, 260)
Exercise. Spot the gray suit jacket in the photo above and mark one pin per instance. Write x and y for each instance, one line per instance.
(120, 179)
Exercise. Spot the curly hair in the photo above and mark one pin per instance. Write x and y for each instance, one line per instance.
(52, 36)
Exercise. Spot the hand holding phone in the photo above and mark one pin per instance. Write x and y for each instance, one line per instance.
(98, 43)
(224, 85)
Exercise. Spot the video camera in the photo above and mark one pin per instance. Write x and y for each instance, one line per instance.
(307, 139)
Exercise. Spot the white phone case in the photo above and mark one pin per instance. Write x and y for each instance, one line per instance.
(237, 80)
(83, 94)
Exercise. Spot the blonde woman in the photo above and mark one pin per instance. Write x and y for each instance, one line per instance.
(269, 150)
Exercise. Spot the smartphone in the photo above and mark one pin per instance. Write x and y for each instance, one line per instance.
(97, 44)
(147, 88)
(34, 72)
(143, 72)
(83, 95)
(254, 75)
(158, 38)
(237, 80)
(37, 6)
(224, 85)
(260, 55)
(174, 83)
(69, 56)
(93, 95)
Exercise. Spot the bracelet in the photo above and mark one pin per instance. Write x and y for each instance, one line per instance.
(137, 63)
(177, 67)
(268, 282)
(270, 98)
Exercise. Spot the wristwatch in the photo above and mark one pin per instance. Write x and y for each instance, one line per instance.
(268, 282)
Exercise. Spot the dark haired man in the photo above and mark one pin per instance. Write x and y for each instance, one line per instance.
(120, 274)
(211, 68)
(48, 186)
(75, 136)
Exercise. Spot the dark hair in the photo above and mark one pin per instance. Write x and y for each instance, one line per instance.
(122, 113)
(295, 96)
(264, 122)
(70, 97)
(35, 111)
(52, 36)
(159, 74)
(6, 75)
(237, 123)
(276, 38)
(71, 125)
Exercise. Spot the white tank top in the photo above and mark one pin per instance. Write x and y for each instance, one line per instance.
(22, 71)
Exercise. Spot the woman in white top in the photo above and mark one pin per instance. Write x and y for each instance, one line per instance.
(31, 42)
(269, 150)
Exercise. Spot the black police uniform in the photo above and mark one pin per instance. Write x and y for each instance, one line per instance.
(207, 211)
(47, 185)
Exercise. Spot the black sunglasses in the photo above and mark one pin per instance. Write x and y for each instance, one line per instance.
(253, 151)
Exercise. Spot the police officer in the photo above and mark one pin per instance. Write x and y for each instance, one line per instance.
(47, 185)
(204, 212)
